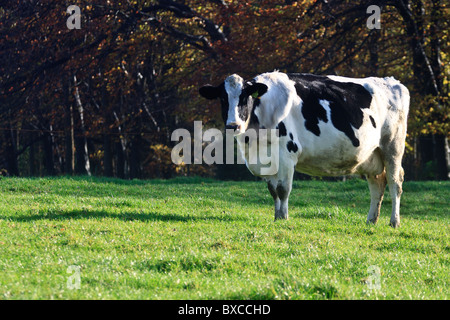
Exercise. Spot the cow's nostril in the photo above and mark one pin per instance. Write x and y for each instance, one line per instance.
(231, 126)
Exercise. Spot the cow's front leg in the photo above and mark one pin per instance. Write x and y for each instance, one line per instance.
(283, 191)
(273, 191)
(280, 187)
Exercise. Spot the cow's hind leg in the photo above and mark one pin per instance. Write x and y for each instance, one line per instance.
(393, 153)
(377, 185)
(394, 176)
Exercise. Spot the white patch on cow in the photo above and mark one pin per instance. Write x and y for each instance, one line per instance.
(326, 105)
(233, 87)
(277, 102)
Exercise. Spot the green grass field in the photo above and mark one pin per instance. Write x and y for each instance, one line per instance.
(206, 239)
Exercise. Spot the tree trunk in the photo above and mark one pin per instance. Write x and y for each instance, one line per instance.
(440, 150)
(122, 159)
(107, 139)
(11, 153)
(427, 73)
(423, 72)
(120, 163)
(82, 165)
(135, 163)
(373, 51)
(440, 154)
(107, 156)
(69, 164)
(32, 160)
(48, 154)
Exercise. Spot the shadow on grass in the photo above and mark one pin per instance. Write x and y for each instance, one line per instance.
(135, 182)
(419, 197)
(134, 216)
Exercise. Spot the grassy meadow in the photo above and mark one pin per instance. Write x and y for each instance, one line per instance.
(191, 238)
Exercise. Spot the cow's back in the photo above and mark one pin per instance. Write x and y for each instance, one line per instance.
(342, 121)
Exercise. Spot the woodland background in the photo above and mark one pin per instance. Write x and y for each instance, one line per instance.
(104, 100)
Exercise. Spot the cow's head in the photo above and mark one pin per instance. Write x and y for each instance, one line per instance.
(238, 98)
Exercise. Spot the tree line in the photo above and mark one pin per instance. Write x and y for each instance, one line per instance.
(105, 98)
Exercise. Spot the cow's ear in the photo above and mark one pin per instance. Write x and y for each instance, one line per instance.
(210, 92)
(256, 90)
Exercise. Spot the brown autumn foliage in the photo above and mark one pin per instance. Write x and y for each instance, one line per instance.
(105, 99)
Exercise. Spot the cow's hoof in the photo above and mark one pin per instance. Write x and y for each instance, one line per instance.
(372, 221)
(281, 217)
(394, 224)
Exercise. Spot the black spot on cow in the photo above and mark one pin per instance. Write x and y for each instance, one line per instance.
(211, 92)
(291, 136)
(282, 129)
(312, 110)
(249, 99)
(345, 100)
(243, 106)
(248, 103)
(373, 121)
(292, 146)
(254, 121)
(224, 102)
(256, 103)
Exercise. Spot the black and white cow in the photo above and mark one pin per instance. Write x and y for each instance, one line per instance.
(328, 126)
